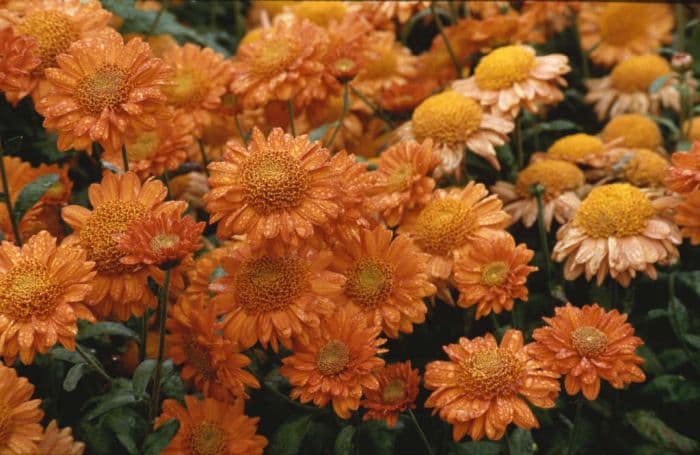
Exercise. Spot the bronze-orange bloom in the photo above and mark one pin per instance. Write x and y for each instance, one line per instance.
(397, 392)
(20, 416)
(17, 61)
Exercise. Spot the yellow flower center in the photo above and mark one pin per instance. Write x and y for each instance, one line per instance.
(491, 372)
(143, 148)
(575, 147)
(644, 168)
(400, 178)
(589, 341)
(622, 23)
(503, 67)
(198, 358)
(188, 88)
(370, 282)
(494, 273)
(320, 13)
(394, 391)
(27, 291)
(107, 87)
(267, 284)
(447, 118)
(385, 65)
(206, 438)
(6, 422)
(54, 32)
(273, 181)
(556, 177)
(272, 57)
(333, 358)
(637, 130)
(97, 234)
(636, 74)
(615, 210)
(444, 225)
(164, 241)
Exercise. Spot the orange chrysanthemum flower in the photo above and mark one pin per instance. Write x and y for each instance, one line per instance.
(281, 188)
(206, 269)
(492, 273)
(617, 230)
(119, 289)
(275, 294)
(59, 442)
(383, 13)
(20, 416)
(451, 220)
(401, 182)
(406, 97)
(43, 289)
(164, 240)
(350, 45)
(336, 363)
(397, 392)
(19, 173)
(633, 131)
(683, 176)
(484, 387)
(615, 31)
(687, 215)
(386, 279)
(586, 345)
(17, 61)
(211, 362)
(286, 63)
(211, 426)
(104, 91)
(201, 79)
(512, 77)
(550, 17)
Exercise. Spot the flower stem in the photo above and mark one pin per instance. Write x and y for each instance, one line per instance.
(448, 46)
(163, 307)
(203, 153)
(290, 111)
(7, 198)
(680, 27)
(144, 336)
(125, 158)
(572, 435)
(343, 113)
(92, 362)
(538, 190)
(288, 400)
(377, 111)
(428, 447)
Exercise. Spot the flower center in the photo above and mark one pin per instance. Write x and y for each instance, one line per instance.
(198, 358)
(447, 118)
(206, 438)
(504, 67)
(6, 423)
(494, 273)
(333, 358)
(145, 145)
(267, 284)
(394, 391)
(491, 372)
(637, 73)
(556, 177)
(164, 241)
(97, 235)
(615, 210)
(636, 129)
(575, 147)
(589, 341)
(400, 178)
(188, 88)
(27, 291)
(273, 181)
(272, 57)
(623, 23)
(370, 282)
(383, 66)
(444, 225)
(54, 33)
(645, 168)
(105, 88)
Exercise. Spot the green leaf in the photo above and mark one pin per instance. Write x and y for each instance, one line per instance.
(652, 364)
(120, 395)
(343, 443)
(558, 125)
(318, 133)
(673, 389)
(123, 423)
(693, 340)
(475, 448)
(32, 192)
(160, 438)
(667, 123)
(142, 376)
(73, 377)
(521, 442)
(376, 437)
(64, 354)
(104, 328)
(657, 313)
(289, 436)
(678, 315)
(659, 82)
(649, 426)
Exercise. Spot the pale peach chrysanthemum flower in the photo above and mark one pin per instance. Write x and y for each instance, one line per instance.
(617, 231)
(615, 31)
(633, 131)
(683, 176)
(57, 441)
(20, 416)
(321, 13)
(586, 345)
(285, 64)
(402, 180)
(627, 88)
(397, 392)
(383, 13)
(582, 149)
(43, 290)
(492, 273)
(451, 220)
(513, 77)
(485, 387)
(561, 181)
(18, 60)
(105, 91)
(336, 363)
(640, 167)
(277, 188)
(454, 121)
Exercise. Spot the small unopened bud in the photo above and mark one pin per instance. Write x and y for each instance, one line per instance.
(345, 69)
(681, 62)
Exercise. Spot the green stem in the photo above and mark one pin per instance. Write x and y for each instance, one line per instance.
(572, 435)
(144, 336)
(343, 113)
(290, 111)
(91, 361)
(240, 130)
(288, 400)
(125, 158)
(448, 46)
(154, 25)
(494, 320)
(163, 315)
(680, 27)
(203, 153)
(8, 200)
(675, 322)
(428, 447)
(538, 190)
(519, 142)
(377, 111)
